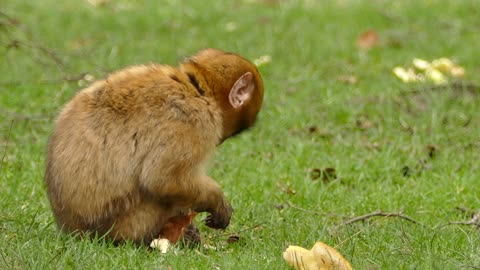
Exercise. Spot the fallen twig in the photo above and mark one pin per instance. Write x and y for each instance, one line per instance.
(22, 116)
(28, 42)
(466, 210)
(379, 213)
(454, 86)
(302, 209)
(6, 146)
(474, 221)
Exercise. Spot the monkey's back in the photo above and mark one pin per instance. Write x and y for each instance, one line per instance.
(118, 135)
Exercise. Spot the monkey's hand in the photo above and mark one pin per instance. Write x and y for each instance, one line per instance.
(220, 218)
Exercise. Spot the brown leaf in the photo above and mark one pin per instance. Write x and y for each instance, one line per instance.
(286, 188)
(368, 40)
(406, 171)
(233, 239)
(326, 174)
(315, 173)
(349, 79)
(264, 20)
(98, 3)
(432, 150)
(423, 165)
(363, 124)
(269, 2)
(375, 145)
(329, 174)
(312, 129)
(80, 43)
(290, 191)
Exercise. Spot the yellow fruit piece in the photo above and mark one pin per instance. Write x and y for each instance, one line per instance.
(405, 75)
(439, 71)
(421, 64)
(162, 244)
(262, 60)
(457, 72)
(443, 65)
(320, 257)
(436, 76)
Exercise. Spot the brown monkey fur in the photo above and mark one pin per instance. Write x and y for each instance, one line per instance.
(127, 154)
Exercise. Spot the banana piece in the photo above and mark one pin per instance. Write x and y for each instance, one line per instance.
(320, 257)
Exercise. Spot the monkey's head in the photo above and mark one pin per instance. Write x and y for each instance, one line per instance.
(235, 84)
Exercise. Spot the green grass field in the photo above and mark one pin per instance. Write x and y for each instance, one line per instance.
(395, 147)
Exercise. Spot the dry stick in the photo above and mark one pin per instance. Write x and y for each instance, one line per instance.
(359, 232)
(6, 146)
(31, 44)
(303, 210)
(67, 79)
(465, 210)
(379, 213)
(361, 218)
(43, 50)
(469, 86)
(373, 214)
(22, 116)
(475, 221)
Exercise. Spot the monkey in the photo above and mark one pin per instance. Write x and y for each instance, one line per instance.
(179, 226)
(127, 155)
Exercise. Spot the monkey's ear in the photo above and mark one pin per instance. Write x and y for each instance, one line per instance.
(242, 90)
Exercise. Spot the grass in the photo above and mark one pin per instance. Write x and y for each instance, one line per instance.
(375, 133)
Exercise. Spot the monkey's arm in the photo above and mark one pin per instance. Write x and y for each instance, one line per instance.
(173, 173)
(220, 210)
(196, 192)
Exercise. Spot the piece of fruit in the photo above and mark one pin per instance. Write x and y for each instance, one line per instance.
(421, 64)
(320, 257)
(162, 244)
(405, 75)
(436, 76)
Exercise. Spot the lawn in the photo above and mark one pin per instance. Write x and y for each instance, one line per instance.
(411, 150)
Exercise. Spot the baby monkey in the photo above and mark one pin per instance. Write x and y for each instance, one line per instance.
(127, 155)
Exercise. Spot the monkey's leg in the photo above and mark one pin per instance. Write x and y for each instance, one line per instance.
(178, 180)
(201, 194)
(141, 223)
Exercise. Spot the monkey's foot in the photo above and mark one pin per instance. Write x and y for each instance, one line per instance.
(191, 236)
